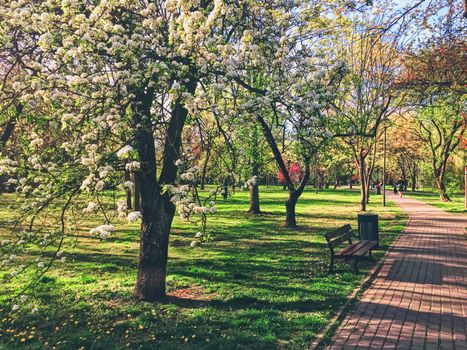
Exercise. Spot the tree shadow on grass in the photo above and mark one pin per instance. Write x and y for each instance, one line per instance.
(248, 303)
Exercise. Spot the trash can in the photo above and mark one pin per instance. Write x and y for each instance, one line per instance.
(378, 190)
(368, 227)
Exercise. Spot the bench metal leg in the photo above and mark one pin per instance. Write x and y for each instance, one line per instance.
(355, 266)
(371, 256)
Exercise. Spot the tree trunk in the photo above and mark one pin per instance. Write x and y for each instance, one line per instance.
(156, 208)
(414, 178)
(155, 226)
(9, 127)
(4, 137)
(294, 193)
(337, 183)
(362, 181)
(350, 182)
(367, 187)
(443, 196)
(205, 168)
(128, 190)
(440, 174)
(290, 217)
(155, 230)
(254, 193)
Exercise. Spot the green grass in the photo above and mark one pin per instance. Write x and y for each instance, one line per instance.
(256, 285)
(457, 204)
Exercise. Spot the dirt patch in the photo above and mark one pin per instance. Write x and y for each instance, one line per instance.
(194, 292)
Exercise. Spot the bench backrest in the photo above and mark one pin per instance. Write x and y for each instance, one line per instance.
(339, 235)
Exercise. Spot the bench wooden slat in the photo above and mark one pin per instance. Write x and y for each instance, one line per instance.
(339, 240)
(368, 245)
(358, 248)
(350, 249)
(338, 232)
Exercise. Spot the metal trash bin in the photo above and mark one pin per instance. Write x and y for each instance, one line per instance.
(378, 190)
(368, 229)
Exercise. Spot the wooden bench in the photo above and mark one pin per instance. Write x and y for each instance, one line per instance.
(354, 250)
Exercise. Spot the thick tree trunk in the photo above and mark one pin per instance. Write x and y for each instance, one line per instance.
(254, 193)
(155, 226)
(156, 208)
(155, 230)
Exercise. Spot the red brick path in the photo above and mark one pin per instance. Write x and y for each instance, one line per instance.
(419, 298)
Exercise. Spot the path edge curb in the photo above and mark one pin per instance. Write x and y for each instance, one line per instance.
(352, 298)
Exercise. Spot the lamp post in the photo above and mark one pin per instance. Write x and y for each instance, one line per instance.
(384, 168)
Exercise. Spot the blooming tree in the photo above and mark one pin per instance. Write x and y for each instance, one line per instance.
(109, 86)
(104, 73)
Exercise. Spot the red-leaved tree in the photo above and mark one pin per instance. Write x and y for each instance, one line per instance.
(295, 174)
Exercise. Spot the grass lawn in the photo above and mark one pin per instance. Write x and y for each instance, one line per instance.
(457, 205)
(256, 285)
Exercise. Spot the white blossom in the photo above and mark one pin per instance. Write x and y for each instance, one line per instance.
(121, 209)
(99, 186)
(124, 151)
(128, 184)
(102, 231)
(91, 208)
(134, 216)
(132, 166)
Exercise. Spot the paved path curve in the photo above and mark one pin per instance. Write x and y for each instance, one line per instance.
(419, 298)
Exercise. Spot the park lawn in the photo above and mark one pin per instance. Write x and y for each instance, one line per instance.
(457, 204)
(256, 285)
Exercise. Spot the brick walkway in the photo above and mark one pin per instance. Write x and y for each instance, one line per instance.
(419, 298)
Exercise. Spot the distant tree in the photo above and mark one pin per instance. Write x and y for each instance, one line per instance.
(368, 96)
(405, 150)
(441, 128)
(435, 76)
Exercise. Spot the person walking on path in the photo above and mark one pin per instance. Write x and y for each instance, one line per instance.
(400, 188)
